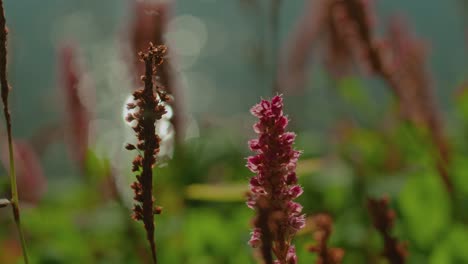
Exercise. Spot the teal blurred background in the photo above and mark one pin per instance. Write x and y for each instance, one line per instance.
(224, 61)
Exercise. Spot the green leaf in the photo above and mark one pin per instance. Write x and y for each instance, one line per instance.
(461, 105)
(459, 174)
(351, 89)
(96, 167)
(425, 208)
(452, 249)
(223, 193)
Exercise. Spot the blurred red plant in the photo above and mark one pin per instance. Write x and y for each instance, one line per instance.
(399, 60)
(32, 183)
(343, 26)
(305, 36)
(412, 84)
(77, 120)
(384, 218)
(323, 227)
(149, 24)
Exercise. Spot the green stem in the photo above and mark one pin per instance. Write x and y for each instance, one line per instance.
(14, 190)
(14, 186)
(16, 214)
(4, 94)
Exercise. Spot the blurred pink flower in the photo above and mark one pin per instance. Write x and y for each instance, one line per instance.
(341, 29)
(149, 24)
(31, 181)
(77, 119)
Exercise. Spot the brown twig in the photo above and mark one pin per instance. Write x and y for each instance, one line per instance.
(383, 218)
(323, 227)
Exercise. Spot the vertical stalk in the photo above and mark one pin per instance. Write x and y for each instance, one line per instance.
(150, 105)
(4, 94)
(14, 196)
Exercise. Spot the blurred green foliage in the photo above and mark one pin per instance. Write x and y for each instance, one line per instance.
(205, 220)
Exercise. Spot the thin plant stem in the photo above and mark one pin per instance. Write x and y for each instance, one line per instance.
(14, 197)
(4, 94)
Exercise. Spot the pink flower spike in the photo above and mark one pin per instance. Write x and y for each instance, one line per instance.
(255, 240)
(265, 105)
(255, 182)
(257, 110)
(297, 222)
(291, 178)
(295, 207)
(254, 144)
(282, 122)
(292, 257)
(253, 163)
(274, 188)
(257, 190)
(258, 128)
(295, 191)
(251, 203)
(288, 138)
(277, 103)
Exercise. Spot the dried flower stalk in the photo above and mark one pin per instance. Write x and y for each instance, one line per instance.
(384, 218)
(149, 101)
(323, 227)
(316, 25)
(406, 74)
(326, 21)
(416, 99)
(149, 24)
(274, 187)
(4, 93)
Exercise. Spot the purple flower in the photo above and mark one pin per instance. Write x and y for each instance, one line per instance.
(274, 187)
